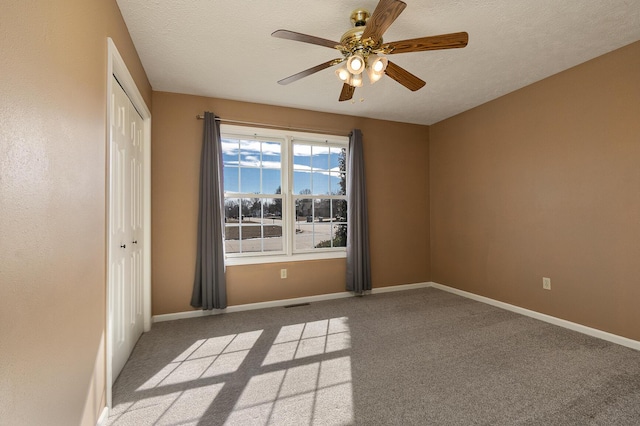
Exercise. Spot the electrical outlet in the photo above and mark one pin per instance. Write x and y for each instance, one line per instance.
(283, 273)
(546, 283)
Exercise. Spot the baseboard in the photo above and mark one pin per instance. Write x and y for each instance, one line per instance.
(399, 287)
(279, 303)
(614, 338)
(102, 420)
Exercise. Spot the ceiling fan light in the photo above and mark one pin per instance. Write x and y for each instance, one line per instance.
(379, 64)
(355, 64)
(376, 69)
(374, 76)
(356, 80)
(343, 74)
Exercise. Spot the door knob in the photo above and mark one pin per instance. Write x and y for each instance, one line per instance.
(123, 246)
(134, 242)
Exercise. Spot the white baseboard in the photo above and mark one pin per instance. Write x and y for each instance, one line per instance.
(399, 287)
(614, 338)
(102, 420)
(278, 303)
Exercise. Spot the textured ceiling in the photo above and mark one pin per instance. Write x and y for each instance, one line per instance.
(224, 49)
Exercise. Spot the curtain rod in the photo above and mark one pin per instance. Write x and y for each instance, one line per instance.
(274, 126)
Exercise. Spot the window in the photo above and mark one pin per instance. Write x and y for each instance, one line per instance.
(284, 195)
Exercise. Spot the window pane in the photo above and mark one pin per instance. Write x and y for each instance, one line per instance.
(232, 239)
(271, 183)
(337, 158)
(252, 210)
(272, 211)
(303, 239)
(272, 228)
(339, 210)
(304, 210)
(271, 158)
(320, 159)
(338, 183)
(301, 183)
(249, 180)
(273, 243)
(320, 162)
(301, 157)
(320, 183)
(250, 153)
(244, 209)
(321, 210)
(304, 224)
(229, 151)
(231, 179)
(339, 235)
(322, 223)
(231, 210)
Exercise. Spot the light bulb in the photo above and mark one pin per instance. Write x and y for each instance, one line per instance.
(374, 76)
(355, 64)
(356, 80)
(379, 65)
(376, 69)
(342, 74)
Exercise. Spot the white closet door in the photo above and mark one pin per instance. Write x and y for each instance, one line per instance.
(126, 227)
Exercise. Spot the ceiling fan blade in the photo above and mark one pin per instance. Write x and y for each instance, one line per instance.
(386, 12)
(292, 35)
(313, 70)
(404, 77)
(347, 92)
(444, 41)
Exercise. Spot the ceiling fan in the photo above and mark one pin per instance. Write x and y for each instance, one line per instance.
(363, 49)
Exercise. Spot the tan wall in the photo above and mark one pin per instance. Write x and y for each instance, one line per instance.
(52, 206)
(396, 157)
(546, 182)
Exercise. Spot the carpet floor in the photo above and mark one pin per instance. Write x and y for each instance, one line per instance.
(418, 357)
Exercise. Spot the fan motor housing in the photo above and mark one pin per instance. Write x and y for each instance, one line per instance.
(359, 17)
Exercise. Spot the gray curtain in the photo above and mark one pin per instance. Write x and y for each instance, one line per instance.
(209, 286)
(358, 260)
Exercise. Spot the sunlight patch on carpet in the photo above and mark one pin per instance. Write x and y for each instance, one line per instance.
(309, 339)
(206, 358)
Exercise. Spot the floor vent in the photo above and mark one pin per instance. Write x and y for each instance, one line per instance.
(296, 305)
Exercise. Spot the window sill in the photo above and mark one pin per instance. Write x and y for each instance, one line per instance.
(282, 258)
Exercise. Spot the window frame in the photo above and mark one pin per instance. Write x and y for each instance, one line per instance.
(287, 138)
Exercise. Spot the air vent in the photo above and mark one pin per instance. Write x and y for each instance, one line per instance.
(296, 305)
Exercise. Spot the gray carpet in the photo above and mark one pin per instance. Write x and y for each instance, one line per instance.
(419, 357)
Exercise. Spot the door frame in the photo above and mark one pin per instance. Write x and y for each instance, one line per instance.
(118, 68)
